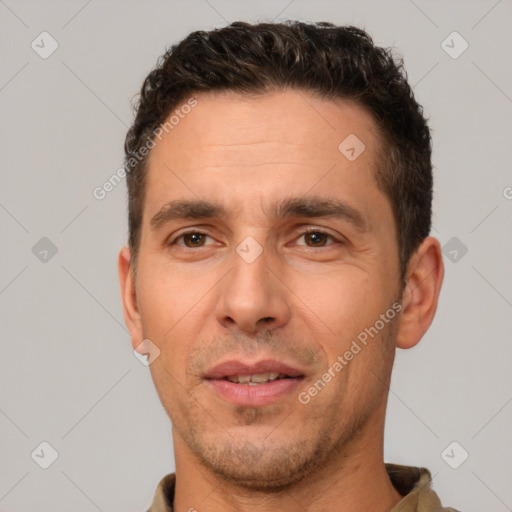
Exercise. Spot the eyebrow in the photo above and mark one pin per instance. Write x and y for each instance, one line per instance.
(311, 207)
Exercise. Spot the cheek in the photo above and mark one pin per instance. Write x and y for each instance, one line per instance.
(168, 320)
(348, 308)
(167, 298)
(343, 301)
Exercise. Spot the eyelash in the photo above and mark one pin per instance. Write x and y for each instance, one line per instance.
(301, 234)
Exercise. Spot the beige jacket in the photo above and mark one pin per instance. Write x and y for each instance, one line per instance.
(414, 484)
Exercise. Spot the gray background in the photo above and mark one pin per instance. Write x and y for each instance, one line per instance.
(68, 374)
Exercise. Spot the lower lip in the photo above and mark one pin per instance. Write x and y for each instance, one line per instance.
(260, 394)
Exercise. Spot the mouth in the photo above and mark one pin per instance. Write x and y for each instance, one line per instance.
(257, 379)
(255, 384)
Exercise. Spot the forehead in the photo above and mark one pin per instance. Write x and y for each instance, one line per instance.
(241, 149)
(239, 127)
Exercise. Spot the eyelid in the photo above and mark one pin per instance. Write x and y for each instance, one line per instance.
(174, 238)
(299, 232)
(312, 229)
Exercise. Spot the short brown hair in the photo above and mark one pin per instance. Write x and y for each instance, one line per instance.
(333, 62)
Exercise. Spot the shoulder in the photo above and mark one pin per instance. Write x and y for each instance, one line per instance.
(164, 494)
(415, 485)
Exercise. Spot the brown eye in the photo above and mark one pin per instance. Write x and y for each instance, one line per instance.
(196, 239)
(190, 240)
(315, 238)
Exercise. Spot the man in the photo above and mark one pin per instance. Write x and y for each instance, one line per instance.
(280, 189)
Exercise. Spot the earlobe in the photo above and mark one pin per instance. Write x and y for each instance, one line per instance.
(129, 296)
(423, 284)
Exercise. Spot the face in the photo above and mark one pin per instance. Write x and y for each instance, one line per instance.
(266, 252)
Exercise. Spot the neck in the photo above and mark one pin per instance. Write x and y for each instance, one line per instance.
(355, 480)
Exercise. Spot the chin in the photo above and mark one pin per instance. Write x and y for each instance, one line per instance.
(263, 468)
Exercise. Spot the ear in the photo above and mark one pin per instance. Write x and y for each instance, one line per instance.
(425, 273)
(129, 297)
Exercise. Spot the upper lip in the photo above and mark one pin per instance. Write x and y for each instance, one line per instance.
(233, 368)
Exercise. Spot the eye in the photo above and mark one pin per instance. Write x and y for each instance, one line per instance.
(316, 238)
(190, 240)
(195, 239)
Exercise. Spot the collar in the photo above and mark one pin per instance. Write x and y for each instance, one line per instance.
(413, 483)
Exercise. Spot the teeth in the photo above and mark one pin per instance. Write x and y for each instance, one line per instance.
(253, 380)
(260, 377)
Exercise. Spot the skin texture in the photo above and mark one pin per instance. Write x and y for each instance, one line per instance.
(303, 301)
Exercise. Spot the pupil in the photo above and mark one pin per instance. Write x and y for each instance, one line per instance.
(315, 237)
(195, 238)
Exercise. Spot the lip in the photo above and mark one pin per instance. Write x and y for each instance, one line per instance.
(234, 367)
(260, 394)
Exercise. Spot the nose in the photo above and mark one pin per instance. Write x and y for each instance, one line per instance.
(253, 298)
